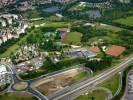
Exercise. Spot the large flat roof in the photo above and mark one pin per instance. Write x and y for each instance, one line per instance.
(3, 68)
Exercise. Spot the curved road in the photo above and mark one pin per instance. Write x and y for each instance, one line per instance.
(69, 92)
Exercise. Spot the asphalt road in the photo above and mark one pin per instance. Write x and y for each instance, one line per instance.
(75, 90)
(69, 92)
(17, 79)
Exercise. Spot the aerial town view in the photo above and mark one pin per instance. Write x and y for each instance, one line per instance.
(66, 49)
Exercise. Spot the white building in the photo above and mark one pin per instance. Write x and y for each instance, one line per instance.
(10, 32)
(5, 75)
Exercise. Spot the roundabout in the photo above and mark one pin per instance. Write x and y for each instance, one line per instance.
(20, 86)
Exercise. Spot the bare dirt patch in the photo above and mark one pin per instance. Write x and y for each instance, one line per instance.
(58, 82)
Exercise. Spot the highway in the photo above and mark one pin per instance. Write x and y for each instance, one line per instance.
(69, 92)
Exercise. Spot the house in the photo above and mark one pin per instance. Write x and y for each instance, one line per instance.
(63, 31)
(30, 65)
(115, 50)
(24, 67)
(94, 49)
(6, 2)
(25, 53)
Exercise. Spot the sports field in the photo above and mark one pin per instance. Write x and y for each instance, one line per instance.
(73, 38)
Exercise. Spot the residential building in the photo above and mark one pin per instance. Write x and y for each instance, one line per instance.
(6, 2)
(5, 75)
(8, 31)
(30, 65)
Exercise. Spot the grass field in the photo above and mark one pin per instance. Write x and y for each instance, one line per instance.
(128, 21)
(112, 83)
(9, 51)
(50, 24)
(16, 96)
(94, 95)
(108, 27)
(72, 38)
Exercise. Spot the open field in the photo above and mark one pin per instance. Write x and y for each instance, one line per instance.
(93, 95)
(72, 38)
(44, 23)
(9, 51)
(58, 82)
(128, 21)
(16, 96)
(112, 83)
(108, 27)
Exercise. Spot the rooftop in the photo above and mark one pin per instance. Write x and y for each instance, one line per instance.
(94, 49)
(3, 69)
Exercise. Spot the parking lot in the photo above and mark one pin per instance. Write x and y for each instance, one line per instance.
(129, 94)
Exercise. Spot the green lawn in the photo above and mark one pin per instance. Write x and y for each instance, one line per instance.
(50, 24)
(125, 21)
(81, 75)
(94, 95)
(16, 96)
(72, 38)
(108, 27)
(112, 83)
(9, 51)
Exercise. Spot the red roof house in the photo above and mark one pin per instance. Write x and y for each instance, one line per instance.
(63, 29)
(115, 50)
(94, 49)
